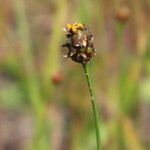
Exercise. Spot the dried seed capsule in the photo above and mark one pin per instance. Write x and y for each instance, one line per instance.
(123, 14)
(57, 77)
(80, 43)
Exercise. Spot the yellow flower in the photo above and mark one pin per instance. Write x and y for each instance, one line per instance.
(75, 27)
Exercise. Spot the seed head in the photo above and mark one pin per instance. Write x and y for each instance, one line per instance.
(57, 78)
(123, 14)
(79, 42)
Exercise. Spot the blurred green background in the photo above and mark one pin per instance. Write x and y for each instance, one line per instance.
(44, 99)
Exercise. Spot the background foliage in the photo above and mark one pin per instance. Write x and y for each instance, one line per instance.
(44, 101)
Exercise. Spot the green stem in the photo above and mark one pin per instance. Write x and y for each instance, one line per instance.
(95, 114)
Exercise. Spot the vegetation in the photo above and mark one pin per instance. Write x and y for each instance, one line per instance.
(44, 97)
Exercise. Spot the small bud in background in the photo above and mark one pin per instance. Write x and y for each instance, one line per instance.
(57, 78)
(122, 14)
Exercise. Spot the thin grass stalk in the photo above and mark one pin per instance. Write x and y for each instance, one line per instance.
(95, 113)
(31, 81)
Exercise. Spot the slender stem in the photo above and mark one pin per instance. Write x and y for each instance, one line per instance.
(95, 113)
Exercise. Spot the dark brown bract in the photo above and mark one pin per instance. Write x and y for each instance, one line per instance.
(80, 43)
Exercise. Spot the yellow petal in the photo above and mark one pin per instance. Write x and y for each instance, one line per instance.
(69, 26)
